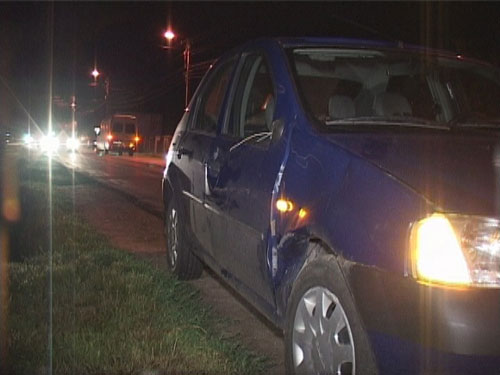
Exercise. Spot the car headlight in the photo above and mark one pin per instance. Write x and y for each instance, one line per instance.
(456, 249)
(72, 144)
(49, 144)
(28, 139)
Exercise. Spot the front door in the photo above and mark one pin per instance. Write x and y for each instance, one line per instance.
(241, 170)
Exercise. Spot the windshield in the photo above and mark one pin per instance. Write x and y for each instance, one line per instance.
(117, 127)
(130, 128)
(355, 86)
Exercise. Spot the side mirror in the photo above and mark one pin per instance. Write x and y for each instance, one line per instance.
(277, 128)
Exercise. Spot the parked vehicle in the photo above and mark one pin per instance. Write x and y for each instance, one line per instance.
(349, 191)
(117, 133)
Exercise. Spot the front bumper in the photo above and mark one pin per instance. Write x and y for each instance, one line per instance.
(418, 328)
(120, 146)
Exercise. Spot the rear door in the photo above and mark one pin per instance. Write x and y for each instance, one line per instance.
(194, 146)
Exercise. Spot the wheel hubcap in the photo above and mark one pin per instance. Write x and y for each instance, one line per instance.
(172, 240)
(322, 338)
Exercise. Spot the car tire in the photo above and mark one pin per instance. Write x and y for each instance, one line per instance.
(106, 152)
(130, 153)
(334, 342)
(180, 259)
(120, 153)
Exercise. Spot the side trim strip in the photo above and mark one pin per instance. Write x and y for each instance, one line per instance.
(214, 210)
(191, 196)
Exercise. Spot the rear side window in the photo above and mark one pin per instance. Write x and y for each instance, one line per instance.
(209, 102)
(117, 127)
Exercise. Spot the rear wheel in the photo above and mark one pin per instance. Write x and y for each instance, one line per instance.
(180, 259)
(324, 334)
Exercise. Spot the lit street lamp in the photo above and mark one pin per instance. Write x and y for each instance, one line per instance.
(169, 36)
(95, 73)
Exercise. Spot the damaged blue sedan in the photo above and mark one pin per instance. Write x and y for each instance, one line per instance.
(349, 190)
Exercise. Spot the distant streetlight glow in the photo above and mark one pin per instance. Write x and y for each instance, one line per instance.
(95, 73)
(169, 35)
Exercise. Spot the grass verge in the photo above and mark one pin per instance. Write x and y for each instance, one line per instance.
(102, 310)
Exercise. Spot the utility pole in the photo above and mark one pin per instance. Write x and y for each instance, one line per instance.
(169, 36)
(187, 62)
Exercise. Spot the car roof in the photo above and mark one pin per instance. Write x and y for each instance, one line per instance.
(291, 42)
(351, 42)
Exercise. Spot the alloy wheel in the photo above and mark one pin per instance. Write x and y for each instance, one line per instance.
(322, 338)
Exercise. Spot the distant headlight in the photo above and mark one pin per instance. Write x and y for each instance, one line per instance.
(49, 144)
(72, 144)
(27, 139)
(457, 250)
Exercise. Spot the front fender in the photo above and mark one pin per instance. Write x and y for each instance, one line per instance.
(297, 249)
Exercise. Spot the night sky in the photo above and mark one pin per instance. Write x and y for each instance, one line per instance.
(44, 45)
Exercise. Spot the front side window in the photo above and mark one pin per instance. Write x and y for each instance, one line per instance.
(254, 99)
(209, 103)
(353, 86)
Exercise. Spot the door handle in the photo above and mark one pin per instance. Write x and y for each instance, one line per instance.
(184, 151)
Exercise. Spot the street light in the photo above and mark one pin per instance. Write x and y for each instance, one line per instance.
(169, 35)
(95, 73)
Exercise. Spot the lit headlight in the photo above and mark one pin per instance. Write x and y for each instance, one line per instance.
(49, 144)
(456, 249)
(72, 144)
(28, 139)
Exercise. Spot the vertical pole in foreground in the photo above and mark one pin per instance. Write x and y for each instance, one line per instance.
(187, 62)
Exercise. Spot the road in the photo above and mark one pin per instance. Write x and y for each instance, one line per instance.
(138, 176)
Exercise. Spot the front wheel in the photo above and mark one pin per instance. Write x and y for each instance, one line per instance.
(180, 259)
(324, 334)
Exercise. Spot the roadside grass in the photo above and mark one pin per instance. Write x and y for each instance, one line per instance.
(112, 313)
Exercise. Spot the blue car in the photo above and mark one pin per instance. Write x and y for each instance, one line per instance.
(350, 191)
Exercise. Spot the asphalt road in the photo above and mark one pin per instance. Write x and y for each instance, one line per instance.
(139, 177)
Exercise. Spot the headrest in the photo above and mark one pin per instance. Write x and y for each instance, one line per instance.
(269, 114)
(340, 106)
(390, 104)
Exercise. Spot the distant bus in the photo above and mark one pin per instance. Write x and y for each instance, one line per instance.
(118, 134)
